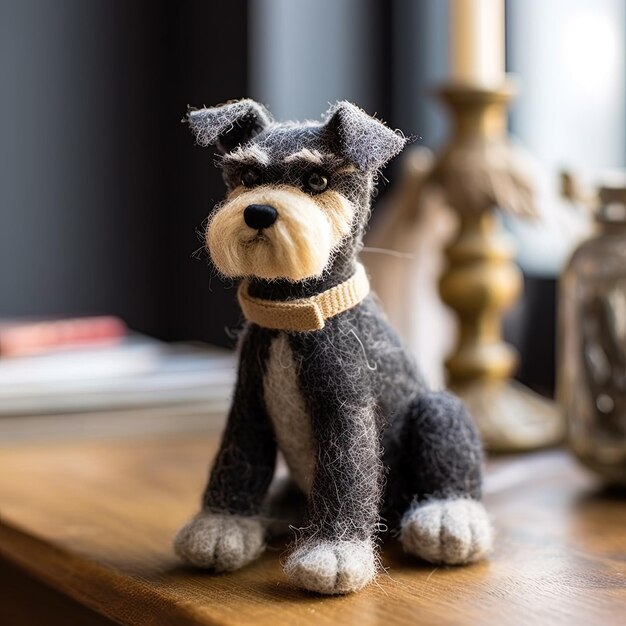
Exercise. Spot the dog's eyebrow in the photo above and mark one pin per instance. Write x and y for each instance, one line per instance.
(347, 169)
(312, 156)
(251, 154)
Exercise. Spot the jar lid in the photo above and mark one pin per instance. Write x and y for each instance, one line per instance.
(612, 195)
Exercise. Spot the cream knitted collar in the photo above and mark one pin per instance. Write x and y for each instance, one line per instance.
(305, 314)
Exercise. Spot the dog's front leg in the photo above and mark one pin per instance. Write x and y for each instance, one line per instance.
(335, 553)
(227, 533)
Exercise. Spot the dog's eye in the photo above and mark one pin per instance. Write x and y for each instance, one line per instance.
(316, 182)
(250, 177)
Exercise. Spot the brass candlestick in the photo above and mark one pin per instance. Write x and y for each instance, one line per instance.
(480, 172)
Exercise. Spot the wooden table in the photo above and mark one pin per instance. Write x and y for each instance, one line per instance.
(93, 523)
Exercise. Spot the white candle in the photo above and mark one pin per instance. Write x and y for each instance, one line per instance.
(477, 42)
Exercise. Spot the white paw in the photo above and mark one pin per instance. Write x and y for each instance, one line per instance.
(453, 532)
(332, 567)
(220, 542)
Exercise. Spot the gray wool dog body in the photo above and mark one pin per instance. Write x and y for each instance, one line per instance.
(362, 434)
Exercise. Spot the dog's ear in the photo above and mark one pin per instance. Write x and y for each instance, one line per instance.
(362, 139)
(228, 125)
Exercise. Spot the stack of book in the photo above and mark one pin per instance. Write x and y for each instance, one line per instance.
(118, 383)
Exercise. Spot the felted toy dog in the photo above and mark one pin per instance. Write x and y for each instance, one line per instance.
(322, 376)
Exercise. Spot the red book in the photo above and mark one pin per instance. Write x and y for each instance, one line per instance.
(21, 338)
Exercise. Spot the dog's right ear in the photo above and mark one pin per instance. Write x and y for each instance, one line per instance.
(228, 125)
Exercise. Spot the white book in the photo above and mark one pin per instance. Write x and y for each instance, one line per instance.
(138, 373)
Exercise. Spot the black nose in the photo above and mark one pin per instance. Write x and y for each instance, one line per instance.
(259, 216)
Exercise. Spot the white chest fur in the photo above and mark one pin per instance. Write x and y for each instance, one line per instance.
(287, 410)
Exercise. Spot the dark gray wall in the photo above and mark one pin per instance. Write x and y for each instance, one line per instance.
(420, 65)
(101, 189)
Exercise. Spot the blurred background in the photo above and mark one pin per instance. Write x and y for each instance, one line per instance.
(103, 193)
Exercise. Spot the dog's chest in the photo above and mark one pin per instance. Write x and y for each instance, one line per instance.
(288, 413)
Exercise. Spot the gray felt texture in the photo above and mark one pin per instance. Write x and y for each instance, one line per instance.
(332, 567)
(220, 542)
(451, 532)
(368, 444)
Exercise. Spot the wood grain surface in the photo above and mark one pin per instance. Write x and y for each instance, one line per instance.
(95, 520)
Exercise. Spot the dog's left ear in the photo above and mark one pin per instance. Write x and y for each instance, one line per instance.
(362, 139)
(228, 125)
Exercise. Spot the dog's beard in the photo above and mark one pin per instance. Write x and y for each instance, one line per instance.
(299, 245)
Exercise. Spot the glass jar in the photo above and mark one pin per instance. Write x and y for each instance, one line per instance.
(592, 342)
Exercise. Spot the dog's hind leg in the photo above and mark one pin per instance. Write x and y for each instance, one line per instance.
(437, 457)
